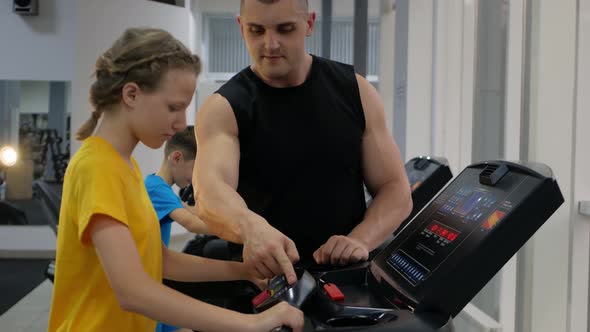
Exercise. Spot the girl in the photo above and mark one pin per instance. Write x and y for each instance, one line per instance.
(110, 258)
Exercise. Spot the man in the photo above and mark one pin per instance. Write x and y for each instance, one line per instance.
(284, 149)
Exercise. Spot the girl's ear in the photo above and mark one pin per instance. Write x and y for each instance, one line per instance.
(130, 92)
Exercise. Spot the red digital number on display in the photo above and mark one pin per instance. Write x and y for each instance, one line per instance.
(443, 232)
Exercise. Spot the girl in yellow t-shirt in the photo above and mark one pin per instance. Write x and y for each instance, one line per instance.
(110, 258)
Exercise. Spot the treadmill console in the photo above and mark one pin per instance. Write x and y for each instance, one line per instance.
(465, 235)
(460, 219)
(419, 169)
(427, 176)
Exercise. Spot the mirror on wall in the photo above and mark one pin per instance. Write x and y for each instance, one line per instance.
(35, 121)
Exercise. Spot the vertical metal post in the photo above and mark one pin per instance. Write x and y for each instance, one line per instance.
(525, 255)
(361, 28)
(526, 82)
(57, 116)
(56, 119)
(327, 29)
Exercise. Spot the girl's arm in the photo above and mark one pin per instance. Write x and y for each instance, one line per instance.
(137, 292)
(185, 267)
(189, 220)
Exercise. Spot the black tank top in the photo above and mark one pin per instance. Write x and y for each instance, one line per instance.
(300, 152)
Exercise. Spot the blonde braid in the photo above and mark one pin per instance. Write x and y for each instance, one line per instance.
(141, 56)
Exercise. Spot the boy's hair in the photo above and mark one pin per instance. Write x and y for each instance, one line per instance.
(140, 55)
(183, 141)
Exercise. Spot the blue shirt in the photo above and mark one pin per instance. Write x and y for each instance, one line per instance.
(164, 200)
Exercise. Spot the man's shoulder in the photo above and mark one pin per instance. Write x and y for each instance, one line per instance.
(238, 92)
(333, 65)
(240, 83)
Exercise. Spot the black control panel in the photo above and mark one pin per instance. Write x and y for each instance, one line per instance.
(465, 235)
(461, 217)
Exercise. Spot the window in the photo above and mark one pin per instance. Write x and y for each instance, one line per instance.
(226, 53)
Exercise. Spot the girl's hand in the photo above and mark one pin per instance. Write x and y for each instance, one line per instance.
(282, 314)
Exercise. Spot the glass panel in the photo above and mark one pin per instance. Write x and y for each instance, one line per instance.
(38, 126)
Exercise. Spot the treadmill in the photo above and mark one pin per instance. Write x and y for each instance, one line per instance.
(437, 263)
(427, 176)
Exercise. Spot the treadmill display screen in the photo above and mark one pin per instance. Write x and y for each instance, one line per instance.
(455, 223)
(443, 232)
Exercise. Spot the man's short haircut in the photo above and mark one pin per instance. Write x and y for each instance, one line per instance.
(183, 141)
(303, 3)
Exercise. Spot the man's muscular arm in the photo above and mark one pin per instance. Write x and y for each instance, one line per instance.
(385, 178)
(267, 252)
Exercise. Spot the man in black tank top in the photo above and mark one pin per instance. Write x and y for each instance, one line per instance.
(285, 147)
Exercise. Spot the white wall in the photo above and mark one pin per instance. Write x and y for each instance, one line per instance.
(453, 77)
(419, 86)
(37, 47)
(387, 60)
(581, 186)
(219, 6)
(205, 86)
(98, 24)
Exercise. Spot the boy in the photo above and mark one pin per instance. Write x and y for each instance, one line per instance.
(179, 159)
(180, 152)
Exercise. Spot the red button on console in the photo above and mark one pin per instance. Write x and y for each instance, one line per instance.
(260, 298)
(333, 292)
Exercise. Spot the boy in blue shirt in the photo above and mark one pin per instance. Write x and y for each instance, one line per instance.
(177, 168)
(179, 159)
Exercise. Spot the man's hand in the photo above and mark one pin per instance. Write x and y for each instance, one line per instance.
(341, 250)
(246, 274)
(268, 252)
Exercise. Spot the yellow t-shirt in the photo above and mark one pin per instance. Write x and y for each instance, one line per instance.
(99, 181)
